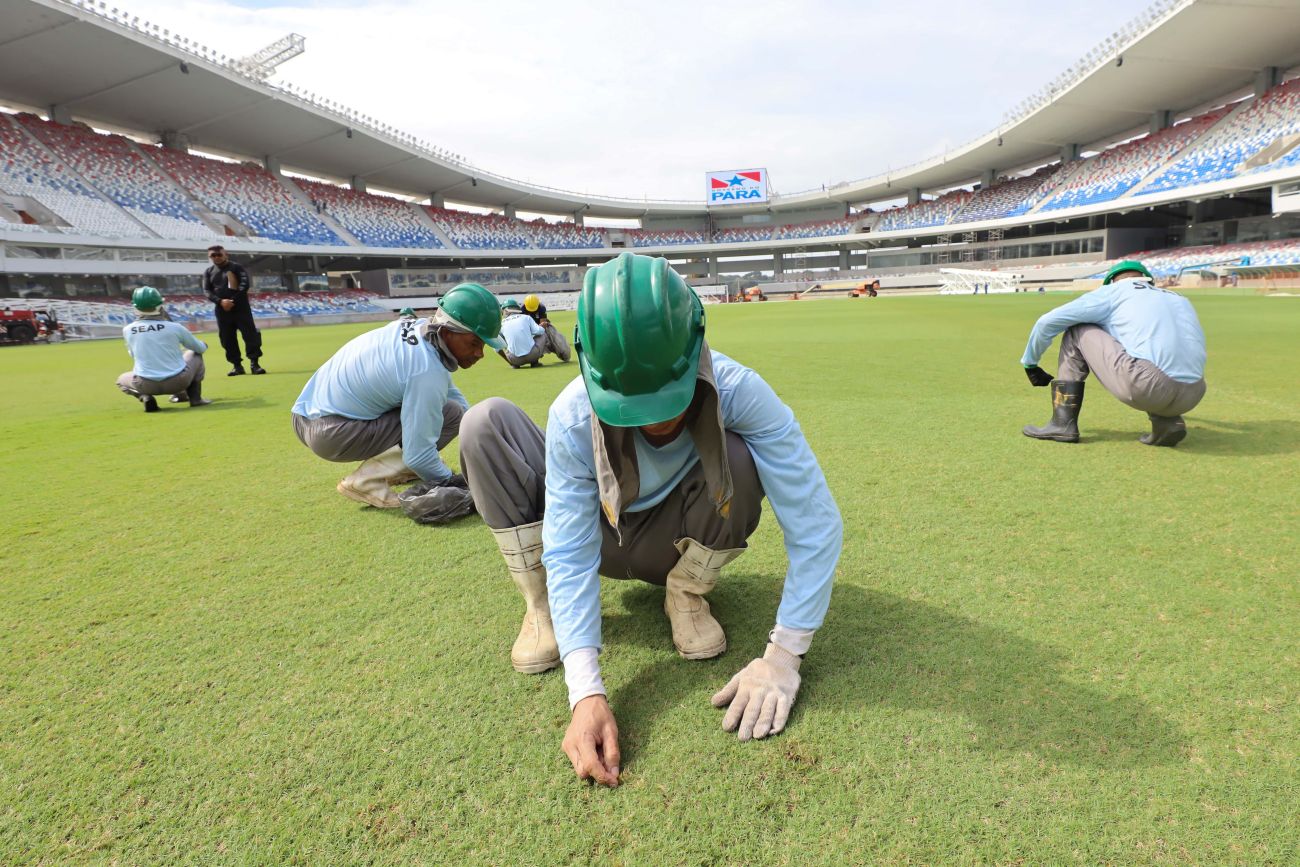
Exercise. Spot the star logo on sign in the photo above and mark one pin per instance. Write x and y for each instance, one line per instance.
(736, 181)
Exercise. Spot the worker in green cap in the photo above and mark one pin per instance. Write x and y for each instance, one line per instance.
(386, 398)
(1144, 344)
(653, 467)
(168, 359)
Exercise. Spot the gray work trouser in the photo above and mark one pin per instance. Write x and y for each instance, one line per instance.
(336, 438)
(556, 343)
(534, 354)
(1135, 382)
(503, 455)
(138, 386)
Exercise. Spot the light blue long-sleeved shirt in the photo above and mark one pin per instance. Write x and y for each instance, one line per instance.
(791, 478)
(155, 344)
(1152, 324)
(518, 332)
(383, 369)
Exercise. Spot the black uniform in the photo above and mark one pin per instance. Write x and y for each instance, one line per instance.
(239, 318)
(538, 315)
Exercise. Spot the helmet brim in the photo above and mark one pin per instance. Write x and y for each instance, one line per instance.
(635, 410)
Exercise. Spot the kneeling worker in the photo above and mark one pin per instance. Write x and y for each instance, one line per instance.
(161, 367)
(1145, 345)
(386, 398)
(555, 341)
(653, 466)
(525, 340)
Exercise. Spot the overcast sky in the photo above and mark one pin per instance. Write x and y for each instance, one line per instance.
(641, 99)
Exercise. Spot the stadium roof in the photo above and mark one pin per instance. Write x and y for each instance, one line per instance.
(119, 72)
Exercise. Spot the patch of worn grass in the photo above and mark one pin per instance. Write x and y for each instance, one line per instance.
(1036, 652)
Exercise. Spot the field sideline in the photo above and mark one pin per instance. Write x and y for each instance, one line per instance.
(1035, 652)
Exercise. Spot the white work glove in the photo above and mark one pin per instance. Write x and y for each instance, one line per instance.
(761, 694)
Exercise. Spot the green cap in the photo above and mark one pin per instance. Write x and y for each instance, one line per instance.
(146, 298)
(1126, 265)
(475, 309)
(640, 330)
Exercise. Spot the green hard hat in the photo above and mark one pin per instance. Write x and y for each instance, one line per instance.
(510, 304)
(406, 311)
(146, 298)
(640, 329)
(1126, 265)
(475, 309)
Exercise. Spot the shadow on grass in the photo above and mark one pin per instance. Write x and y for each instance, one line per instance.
(1207, 436)
(879, 649)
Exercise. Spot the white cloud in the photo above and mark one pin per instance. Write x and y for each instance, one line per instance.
(641, 99)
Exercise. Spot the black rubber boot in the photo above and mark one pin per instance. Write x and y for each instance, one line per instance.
(257, 369)
(237, 370)
(1165, 431)
(195, 394)
(1067, 398)
(150, 405)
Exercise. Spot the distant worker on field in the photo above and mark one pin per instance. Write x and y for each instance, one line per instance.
(386, 398)
(168, 359)
(556, 343)
(225, 282)
(525, 341)
(1144, 343)
(653, 467)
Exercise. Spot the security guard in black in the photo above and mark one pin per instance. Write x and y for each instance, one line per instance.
(226, 284)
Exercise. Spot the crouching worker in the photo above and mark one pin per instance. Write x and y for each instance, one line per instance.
(1144, 344)
(168, 359)
(653, 467)
(555, 341)
(386, 398)
(525, 340)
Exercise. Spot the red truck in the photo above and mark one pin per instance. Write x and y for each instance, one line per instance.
(29, 326)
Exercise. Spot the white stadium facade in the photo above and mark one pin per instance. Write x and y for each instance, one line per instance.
(1179, 132)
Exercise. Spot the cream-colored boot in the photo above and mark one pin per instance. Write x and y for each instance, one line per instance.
(370, 482)
(695, 633)
(535, 649)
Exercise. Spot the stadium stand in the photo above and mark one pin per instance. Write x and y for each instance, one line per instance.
(819, 229)
(375, 221)
(114, 166)
(565, 236)
(742, 233)
(28, 169)
(1247, 131)
(1009, 198)
(196, 308)
(930, 212)
(250, 194)
(1169, 263)
(480, 231)
(1113, 172)
(664, 237)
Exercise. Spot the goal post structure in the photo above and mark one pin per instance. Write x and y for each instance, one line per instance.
(966, 281)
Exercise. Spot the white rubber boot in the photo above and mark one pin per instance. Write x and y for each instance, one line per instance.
(370, 482)
(696, 634)
(535, 649)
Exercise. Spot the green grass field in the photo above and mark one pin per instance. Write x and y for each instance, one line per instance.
(1036, 653)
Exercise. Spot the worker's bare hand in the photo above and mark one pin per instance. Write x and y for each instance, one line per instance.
(227, 304)
(591, 743)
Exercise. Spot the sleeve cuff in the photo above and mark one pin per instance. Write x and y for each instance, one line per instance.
(582, 674)
(797, 641)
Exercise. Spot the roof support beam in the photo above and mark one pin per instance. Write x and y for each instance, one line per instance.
(225, 115)
(121, 84)
(387, 166)
(4, 43)
(302, 144)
